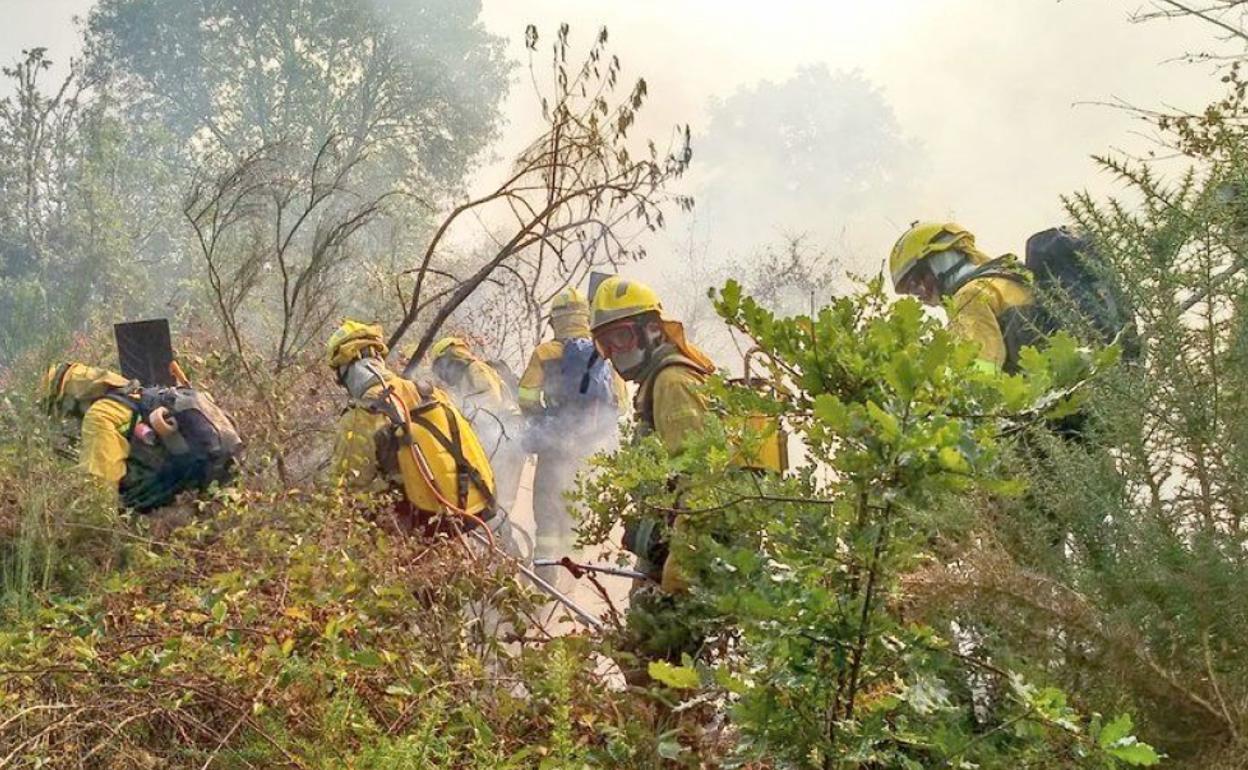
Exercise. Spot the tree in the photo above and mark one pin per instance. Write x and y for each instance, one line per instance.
(1142, 600)
(86, 207)
(273, 232)
(576, 198)
(37, 128)
(800, 155)
(805, 572)
(415, 82)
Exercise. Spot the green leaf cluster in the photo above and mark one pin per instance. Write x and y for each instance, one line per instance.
(800, 580)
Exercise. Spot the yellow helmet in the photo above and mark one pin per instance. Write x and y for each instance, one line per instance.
(569, 314)
(69, 388)
(921, 241)
(570, 300)
(439, 348)
(352, 341)
(618, 297)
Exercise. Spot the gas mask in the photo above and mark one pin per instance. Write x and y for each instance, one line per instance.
(360, 375)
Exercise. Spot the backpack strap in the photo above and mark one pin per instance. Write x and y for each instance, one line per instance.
(1004, 266)
(466, 473)
(1020, 325)
(594, 357)
(123, 397)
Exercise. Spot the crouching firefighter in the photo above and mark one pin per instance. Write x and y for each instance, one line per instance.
(149, 443)
(1005, 305)
(489, 403)
(398, 435)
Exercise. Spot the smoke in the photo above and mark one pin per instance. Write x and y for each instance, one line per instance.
(987, 105)
(843, 122)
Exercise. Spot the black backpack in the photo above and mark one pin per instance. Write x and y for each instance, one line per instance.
(202, 450)
(1076, 288)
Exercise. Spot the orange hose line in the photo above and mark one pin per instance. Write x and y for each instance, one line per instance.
(179, 376)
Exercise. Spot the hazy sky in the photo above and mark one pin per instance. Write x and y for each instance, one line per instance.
(990, 89)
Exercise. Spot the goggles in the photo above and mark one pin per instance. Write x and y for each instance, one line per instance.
(618, 338)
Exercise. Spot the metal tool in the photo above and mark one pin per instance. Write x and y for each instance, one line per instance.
(603, 569)
(581, 613)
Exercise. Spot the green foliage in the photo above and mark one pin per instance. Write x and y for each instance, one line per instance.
(675, 677)
(72, 178)
(1129, 547)
(56, 532)
(273, 627)
(801, 580)
(95, 170)
(288, 629)
(415, 81)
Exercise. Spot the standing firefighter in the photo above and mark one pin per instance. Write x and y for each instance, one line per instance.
(934, 261)
(650, 350)
(571, 398)
(647, 348)
(396, 434)
(148, 443)
(490, 406)
(1004, 305)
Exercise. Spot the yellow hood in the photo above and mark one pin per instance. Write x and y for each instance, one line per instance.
(351, 341)
(674, 331)
(456, 349)
(570, 325)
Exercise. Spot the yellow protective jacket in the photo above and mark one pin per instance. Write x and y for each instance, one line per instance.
(478, 387)
(361, 433)
(482, 388)
(978, 313)
(668, 402)
(76, 391)
(546, 358)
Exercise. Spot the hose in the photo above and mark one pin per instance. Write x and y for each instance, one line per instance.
(577, 569)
